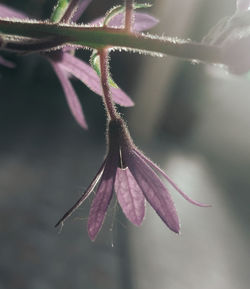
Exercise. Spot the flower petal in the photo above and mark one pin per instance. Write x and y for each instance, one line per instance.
(84, 196)
(159, 170)
(142, 21)
(130, 196)
(6, 63)
(103, 196)
(71, 97)
(6, 11)
(87, 75)
(154, 190)
(81, 8)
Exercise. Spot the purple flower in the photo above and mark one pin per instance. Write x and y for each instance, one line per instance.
(65, 64)
(133, 177)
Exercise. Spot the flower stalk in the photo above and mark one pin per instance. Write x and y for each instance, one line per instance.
(70, 11)
(59, 10)
(128, 14)
(104, 68)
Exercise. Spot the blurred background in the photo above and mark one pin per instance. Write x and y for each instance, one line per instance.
(193, 120)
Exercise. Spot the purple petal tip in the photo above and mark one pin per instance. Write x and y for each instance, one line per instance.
(6, 11)
(160, 171)
(92, 235)
(176, 229)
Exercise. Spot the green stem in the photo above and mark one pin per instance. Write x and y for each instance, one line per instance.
(59, 10)
(100, 37)
(69, 12)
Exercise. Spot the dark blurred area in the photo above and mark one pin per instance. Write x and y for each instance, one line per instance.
(193, 120)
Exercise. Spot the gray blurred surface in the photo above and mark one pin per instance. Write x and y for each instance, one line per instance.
(212, 250)
(212, 165)
(37, 184)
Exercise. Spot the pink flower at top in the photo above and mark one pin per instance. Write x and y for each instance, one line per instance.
(128, 172)
(243, 5)
(65, 64)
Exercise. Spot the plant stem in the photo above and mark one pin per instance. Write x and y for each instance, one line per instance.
(59, 10)
(100, 37)
(128, 15)
(68, 14)
(104, 67)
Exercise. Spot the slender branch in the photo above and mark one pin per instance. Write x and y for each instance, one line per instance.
(59, 10)
(104, 66)
(69, 13)
(128, 14)
(99, 37)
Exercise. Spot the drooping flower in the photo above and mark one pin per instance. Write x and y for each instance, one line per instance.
(128, 172)
(65, 64)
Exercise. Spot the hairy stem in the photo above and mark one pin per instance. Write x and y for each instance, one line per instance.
(128, 14)
(100, 37)
(69, 13)
(59, 10)
(104, 66)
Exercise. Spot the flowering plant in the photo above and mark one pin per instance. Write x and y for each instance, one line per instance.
(125, 169)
